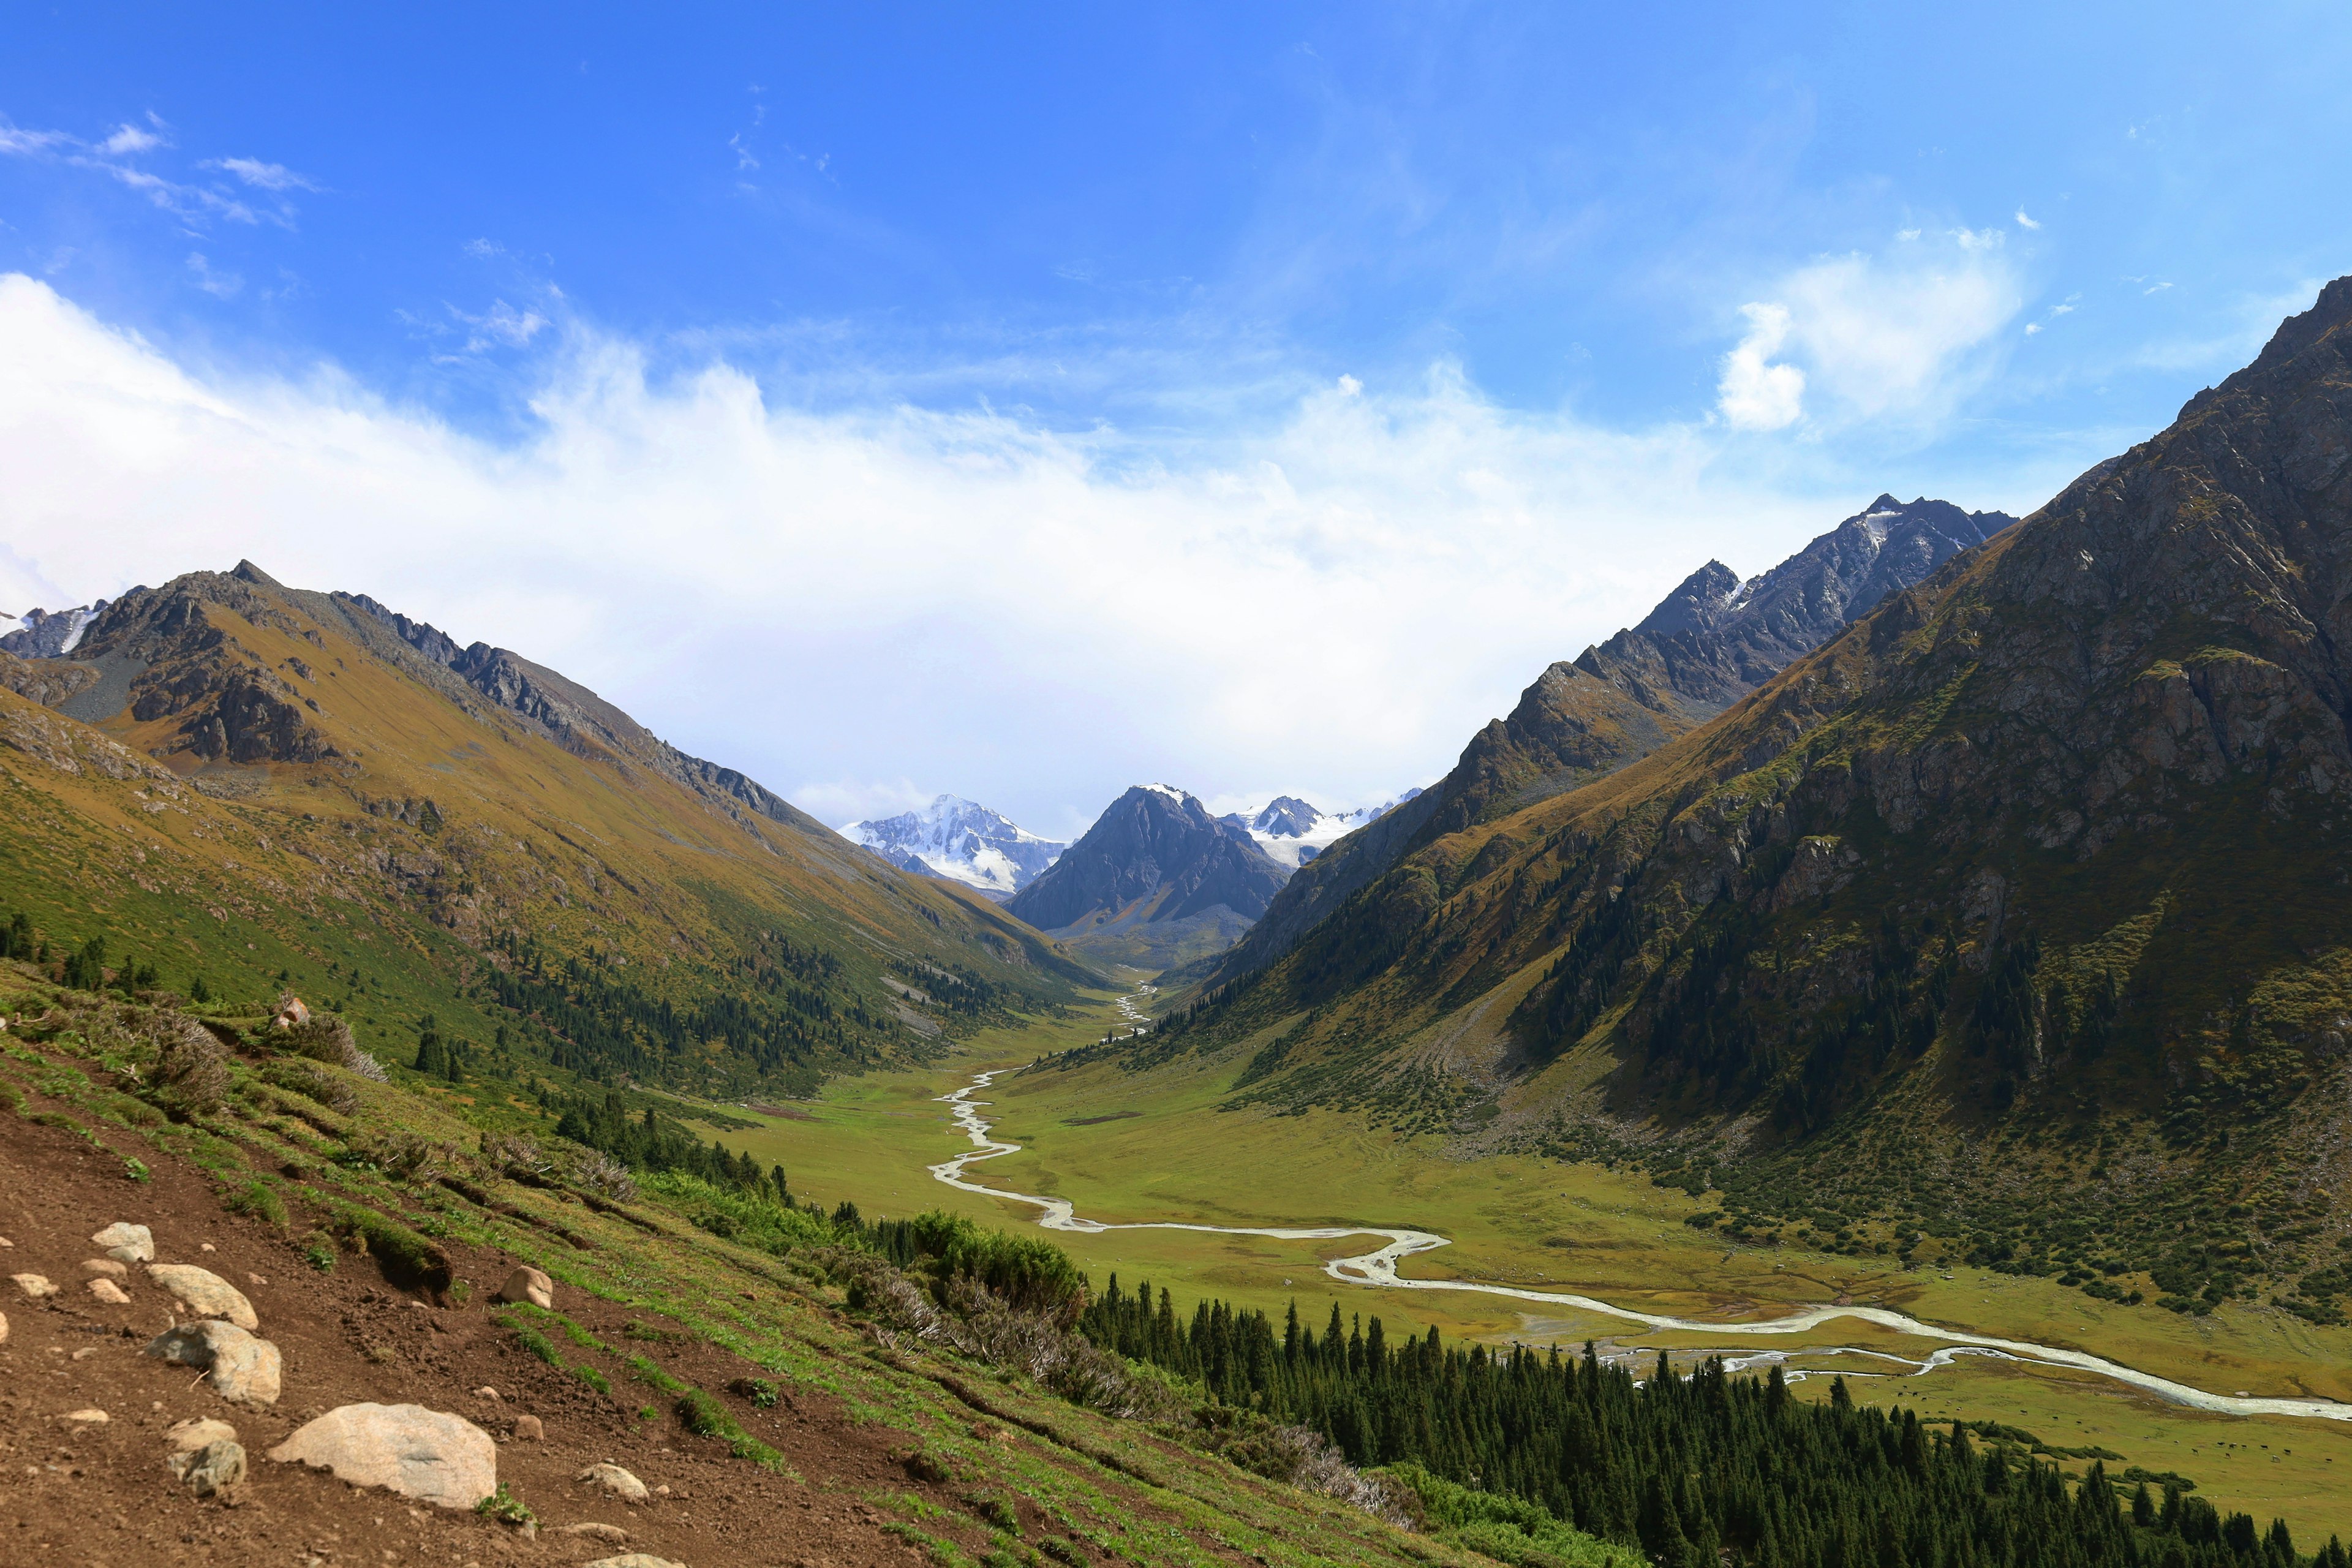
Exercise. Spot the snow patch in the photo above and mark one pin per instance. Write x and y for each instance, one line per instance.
(962, 841)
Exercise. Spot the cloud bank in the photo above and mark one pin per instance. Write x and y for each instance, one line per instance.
(865, 606)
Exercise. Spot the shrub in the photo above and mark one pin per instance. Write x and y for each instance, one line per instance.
(762, 1394)
(254, 1198)
(191, 1075)
(301, 1077)
(327, 1039)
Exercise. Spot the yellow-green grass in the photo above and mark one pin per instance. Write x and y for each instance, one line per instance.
(1167, 1153)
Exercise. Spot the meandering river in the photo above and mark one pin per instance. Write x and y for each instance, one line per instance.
(1379, 1268)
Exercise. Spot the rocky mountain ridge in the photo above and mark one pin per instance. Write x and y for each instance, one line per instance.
(1294, 831)
(1708, 643)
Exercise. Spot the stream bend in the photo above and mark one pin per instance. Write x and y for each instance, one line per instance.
(1379, 1268)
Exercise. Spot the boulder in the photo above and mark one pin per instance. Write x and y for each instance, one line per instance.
(127, 1242)
(615, 1479)
(242, 1368)
(187, 1437)
(205, 1293)
(529, 1429)
(34, 1285)
(418, 1453)
(528, 1284)
(292, 1013)
(108, 1291)
(113, 1268)
(211, 1469)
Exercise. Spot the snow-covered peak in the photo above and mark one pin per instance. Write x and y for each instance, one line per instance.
(962, 841)
(1293, 832)
(1170, 791)
(41, 635)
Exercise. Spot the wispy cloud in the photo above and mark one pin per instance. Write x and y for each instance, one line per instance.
(219, 285)
(2024, 222)
(130, 139)
(263, 176)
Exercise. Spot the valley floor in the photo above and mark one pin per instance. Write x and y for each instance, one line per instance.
(1128, 1148)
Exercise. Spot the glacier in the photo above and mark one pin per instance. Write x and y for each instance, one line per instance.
(961, 841)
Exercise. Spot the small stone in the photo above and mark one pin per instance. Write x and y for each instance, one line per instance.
(633, 1560)
(242, 1367)
(113, 1268)
(662, 1490)
(211, 1469)
(253, 1279)
(108, 1291)
(34, 1286)
(529, 1284)
(128, 1243)
(528, 1429)
(93, 1417)
(6, 1242)
(487, 1392)
(187, 1437)
(616, 1481)
(4, 1328)
(205, 1293)
(84, 1353)
(206, 1247)
(418, 1453)
(611, 1533)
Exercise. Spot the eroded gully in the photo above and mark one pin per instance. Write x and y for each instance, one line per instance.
(1378, 1269)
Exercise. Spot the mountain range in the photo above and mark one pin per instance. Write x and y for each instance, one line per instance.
(1292, 831)
(961, 841)
(2014, 913)
(1711, 641)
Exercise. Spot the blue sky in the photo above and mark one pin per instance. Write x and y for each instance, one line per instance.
(894, 399)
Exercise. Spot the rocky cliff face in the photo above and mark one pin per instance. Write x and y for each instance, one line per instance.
(1711, 641)
(1155, 856)
(2051, 846)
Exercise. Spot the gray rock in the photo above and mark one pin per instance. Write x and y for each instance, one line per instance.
(35, 1285)
(616, 1481)
(113, 1268)
(242, 1368)
(611, 1534)
(205, 1293)
(529, 1284)
(187, 1437)
(424, 1453)
(127, 1242)
(212, 1469)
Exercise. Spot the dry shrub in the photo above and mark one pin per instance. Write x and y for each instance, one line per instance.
(327, 1039)
(518, 1158)
(191, 1073)
(592, 1171)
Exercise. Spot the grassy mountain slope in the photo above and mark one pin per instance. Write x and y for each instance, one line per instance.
(2010, 924)
(240, 782)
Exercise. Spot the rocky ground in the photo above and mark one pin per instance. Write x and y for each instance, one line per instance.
(86, 1418)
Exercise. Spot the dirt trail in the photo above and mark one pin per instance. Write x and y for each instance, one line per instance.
(1379, 1268)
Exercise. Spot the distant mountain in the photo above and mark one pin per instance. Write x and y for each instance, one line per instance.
(41, 635)
(1709, 643)
(1292, 832)
(961, 841)
(1155, 881)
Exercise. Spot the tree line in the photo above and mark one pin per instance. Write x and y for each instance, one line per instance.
(1698, 1470)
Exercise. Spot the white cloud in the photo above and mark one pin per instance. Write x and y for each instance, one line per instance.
(1027, 617)
(264, 176)
(2024, 222)
(1865, 337)
(1753, 393)
(130, 139)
